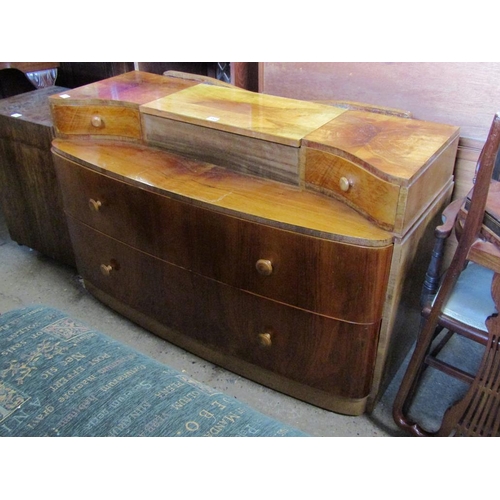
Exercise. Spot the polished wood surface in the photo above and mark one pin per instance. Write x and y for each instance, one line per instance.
(393, 148)
(119, 122)
(402, 307)
(458, 93)
(384, 110)
(391, 167)
(322, 353)
(238, 153)
(245, 113)
(110, 107)
(132, 88)
(342, 178)
(311, 273)
(205, 185)
(322, 398)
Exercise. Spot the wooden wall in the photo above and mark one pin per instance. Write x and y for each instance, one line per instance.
(460, 93)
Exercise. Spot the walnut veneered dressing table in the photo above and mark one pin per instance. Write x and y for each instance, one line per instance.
(277, 238)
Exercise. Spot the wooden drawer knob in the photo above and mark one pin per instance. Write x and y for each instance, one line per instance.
(265, 340)
(106, 269)
(97, 121)
(344, 184)
(94, 205)
(264, 267)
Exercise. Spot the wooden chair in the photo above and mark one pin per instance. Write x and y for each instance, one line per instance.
(466, 303)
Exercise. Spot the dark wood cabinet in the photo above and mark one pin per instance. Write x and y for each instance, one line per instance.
(29, 192)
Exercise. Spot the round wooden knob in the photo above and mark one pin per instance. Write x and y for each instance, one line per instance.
(97, 122)
(264, 267)
(344, 184)
(94, 205)
(106, 269)
(264, 340)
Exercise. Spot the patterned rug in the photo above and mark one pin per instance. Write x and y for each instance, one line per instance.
(59, 377)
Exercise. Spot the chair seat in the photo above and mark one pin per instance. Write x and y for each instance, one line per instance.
(471, 302)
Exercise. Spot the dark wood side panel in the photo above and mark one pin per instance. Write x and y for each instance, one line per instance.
(29, 192)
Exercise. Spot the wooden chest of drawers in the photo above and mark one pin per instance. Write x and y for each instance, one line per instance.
(273, 277)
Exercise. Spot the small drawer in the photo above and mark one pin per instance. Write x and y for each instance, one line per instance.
(372, 196)
(116, 121)
(335, 279)
(326, 354)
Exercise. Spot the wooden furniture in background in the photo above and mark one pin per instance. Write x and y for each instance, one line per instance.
(197, 78)
(14, 82)
(77, 74)
(28, 67)
(29, 192)
(272, 236)
(39, 74)
(245, 75)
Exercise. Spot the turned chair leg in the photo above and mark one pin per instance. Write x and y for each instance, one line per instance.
(411, 380)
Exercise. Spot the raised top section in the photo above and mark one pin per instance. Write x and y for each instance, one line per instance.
(277, 119)
(388, 168)
(136, 87)
(393, 148)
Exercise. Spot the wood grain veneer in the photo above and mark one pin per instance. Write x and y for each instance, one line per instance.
(225, 191)
(395, 166)
(110, 107)
(276, 119)
(325, 354)
(177, 252)
(308, 272)
(237, 129)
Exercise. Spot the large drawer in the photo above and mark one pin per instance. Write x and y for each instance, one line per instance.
(320, 352)
(338, 280)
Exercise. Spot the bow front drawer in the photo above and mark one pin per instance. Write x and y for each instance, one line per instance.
(332, 358)
(327, 277)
